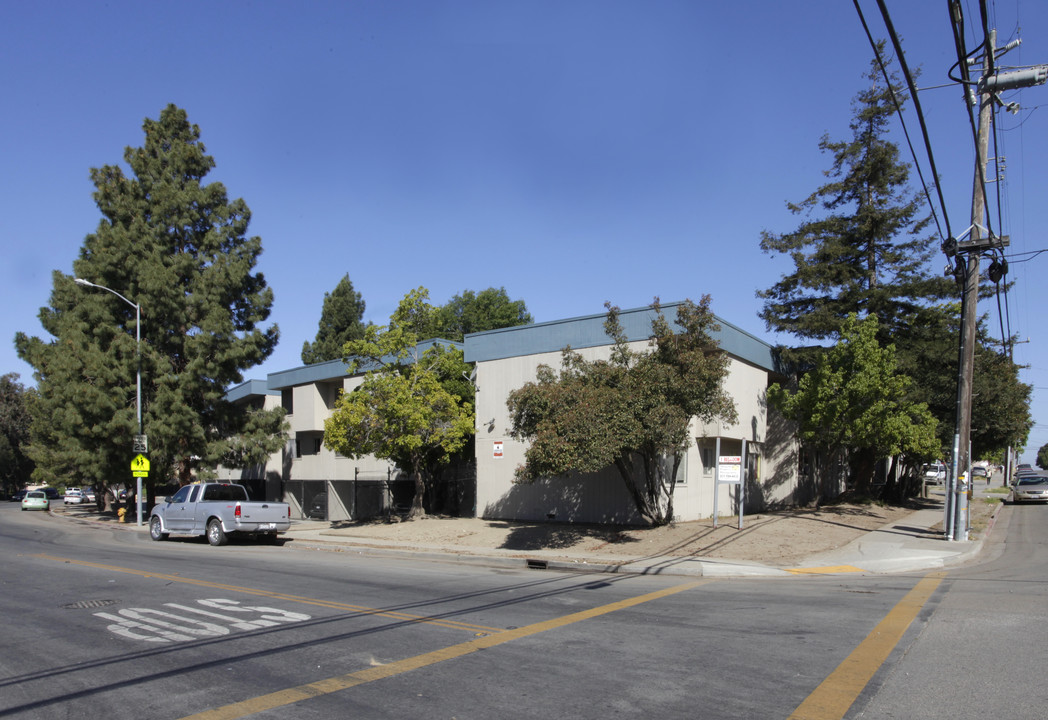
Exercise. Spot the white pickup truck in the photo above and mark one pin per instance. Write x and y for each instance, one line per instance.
(217, 510)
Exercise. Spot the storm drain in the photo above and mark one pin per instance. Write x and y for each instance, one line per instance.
(89, 604)
(537, 564)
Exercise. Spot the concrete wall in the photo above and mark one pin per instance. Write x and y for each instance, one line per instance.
(602, 497)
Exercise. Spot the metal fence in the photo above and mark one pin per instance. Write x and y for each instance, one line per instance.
(382, 494)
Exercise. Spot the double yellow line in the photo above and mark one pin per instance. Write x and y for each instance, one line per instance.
(829, 701)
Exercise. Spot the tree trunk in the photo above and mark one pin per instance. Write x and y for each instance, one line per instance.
(863, 465)
(417, 509)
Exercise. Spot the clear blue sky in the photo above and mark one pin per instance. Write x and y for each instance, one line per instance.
(573, 152)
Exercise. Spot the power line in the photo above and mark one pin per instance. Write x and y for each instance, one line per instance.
(917, 108)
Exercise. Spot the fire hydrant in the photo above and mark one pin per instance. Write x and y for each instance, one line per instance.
(120, 513)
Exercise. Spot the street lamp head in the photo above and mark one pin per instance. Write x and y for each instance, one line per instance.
(81, 281)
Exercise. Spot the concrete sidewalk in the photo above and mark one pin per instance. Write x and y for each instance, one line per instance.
(908, 545)
(911, 544)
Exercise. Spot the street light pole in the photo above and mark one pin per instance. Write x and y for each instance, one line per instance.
(138, 372)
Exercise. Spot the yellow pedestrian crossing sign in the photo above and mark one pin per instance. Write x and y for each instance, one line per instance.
(140, 466)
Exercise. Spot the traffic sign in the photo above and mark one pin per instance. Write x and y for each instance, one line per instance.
(140, 466)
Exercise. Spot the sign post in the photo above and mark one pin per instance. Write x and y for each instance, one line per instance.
(731, 470)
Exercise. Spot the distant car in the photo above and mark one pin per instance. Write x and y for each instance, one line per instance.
(1023, 472)
(1031, 488)
(73, 496)
(318, 509)
(52, 493)
(36, 500)
(89, 494)
(978, 471)
(17, 496)
(935, 473)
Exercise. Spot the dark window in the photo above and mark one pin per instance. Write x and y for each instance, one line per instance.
(182, 495)
(223, 493)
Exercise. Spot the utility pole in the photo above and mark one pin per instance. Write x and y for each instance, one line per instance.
(968, 253)
(968, 263)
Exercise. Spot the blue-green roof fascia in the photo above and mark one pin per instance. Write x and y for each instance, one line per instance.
(336, 369)
(249, 388)
(588, 331)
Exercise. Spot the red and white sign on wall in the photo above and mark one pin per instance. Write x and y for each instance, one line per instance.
(729, 469)
(497, 449)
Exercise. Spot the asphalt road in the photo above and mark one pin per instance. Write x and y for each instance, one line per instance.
(103, 622)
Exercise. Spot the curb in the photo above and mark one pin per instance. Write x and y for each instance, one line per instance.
(657, 565)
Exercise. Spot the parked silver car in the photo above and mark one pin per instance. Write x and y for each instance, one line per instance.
(1031, 488)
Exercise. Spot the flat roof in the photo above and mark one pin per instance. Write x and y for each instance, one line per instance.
(249, 388)
(333, 369)
(588, 331)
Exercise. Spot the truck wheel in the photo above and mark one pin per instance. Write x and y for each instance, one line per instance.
(156, 529)
(215, 534)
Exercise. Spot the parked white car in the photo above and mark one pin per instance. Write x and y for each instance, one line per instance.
(935, 473)
(73, 496)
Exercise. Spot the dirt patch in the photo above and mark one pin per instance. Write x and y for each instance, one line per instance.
(769, 538)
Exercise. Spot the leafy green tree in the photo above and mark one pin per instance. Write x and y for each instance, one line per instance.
(854, 403)
(1000, 400)
(178, 247)
(15, 466)
(630, 412)
(1042, 457)
(341, 319)
(868, 251)
(401, 411)
(471, 312)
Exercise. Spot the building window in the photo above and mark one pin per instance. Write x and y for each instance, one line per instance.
(682, 470)
(287, 400)
(308, 443)
(709, 460)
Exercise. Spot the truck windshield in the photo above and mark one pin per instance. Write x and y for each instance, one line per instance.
(224, 493)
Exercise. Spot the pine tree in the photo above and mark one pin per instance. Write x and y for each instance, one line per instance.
(178, 248)
(15, 465)
(341, 319)
(869, 253)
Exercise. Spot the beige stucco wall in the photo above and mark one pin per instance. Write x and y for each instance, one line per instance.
(602, 497)
(312, 404)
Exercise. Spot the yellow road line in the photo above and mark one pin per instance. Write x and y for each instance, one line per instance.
(832, 698)
(828, 570)
(441, 622)
(282, 698)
